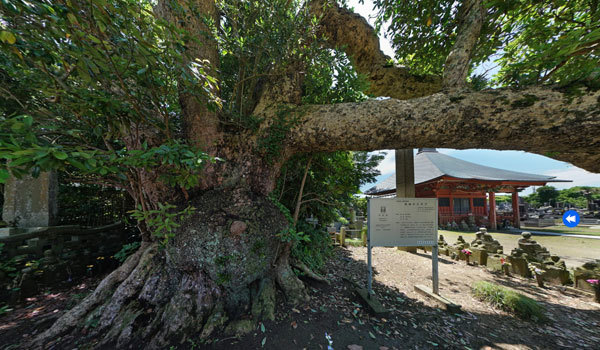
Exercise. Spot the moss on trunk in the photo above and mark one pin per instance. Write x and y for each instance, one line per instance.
(215, 272)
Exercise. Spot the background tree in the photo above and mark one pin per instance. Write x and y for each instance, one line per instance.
(142, 77)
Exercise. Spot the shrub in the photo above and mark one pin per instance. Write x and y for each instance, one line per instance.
(126, 251)
(508, 300)
(313, 252)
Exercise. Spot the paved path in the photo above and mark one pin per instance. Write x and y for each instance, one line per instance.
(545, 233)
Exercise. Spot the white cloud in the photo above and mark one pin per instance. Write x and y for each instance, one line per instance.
(388, 164)
(579, 176)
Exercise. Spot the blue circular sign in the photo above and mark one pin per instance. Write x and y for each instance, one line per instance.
(571, 218)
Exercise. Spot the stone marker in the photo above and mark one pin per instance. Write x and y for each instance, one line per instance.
(456, 249)
(531, 255)
(31, 202)
(588, 271)
(483, 246)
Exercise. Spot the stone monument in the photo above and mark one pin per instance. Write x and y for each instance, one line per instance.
(531, 255)
(483, 246)
(31, 202)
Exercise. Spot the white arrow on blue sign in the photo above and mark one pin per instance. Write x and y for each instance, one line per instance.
(571, 218)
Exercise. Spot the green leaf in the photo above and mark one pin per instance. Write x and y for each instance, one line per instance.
(263, 342)
(7, 37)
(262, 327)
(60, 155)
(4, 175)
(72, 18)
(28, 120)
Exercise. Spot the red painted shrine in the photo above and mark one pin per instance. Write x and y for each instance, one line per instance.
(464, 189)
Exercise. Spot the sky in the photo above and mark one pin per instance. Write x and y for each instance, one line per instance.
(509, 160)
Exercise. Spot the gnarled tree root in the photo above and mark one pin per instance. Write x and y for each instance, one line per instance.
(147, 302)
(309, 273)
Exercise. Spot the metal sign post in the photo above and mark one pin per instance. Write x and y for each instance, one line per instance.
(370, 272)
(434, 269)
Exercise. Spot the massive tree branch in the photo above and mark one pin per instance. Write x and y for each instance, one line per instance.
(351, 33)
(539, 120)
(200, 123)
(456, 67)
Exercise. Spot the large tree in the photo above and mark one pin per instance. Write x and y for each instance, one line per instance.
(227, 256)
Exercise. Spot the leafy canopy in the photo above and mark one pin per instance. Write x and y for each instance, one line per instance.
(91, 87)
(532, 41)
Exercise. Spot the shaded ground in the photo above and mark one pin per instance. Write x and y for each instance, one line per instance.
(575, 251)
(414, 323)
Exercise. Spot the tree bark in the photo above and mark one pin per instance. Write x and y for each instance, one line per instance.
(352, 33)
(541, 120)
(301, 193)
(456, 67)
(216, 269)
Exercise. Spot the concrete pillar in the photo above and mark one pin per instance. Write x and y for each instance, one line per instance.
(405, 173)
(31, 202)
(492, 214)
(515, 205)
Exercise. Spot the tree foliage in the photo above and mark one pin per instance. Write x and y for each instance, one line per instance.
(91, 88)
(533, 42)
(333, 179)
(578, 196)
(259, 41)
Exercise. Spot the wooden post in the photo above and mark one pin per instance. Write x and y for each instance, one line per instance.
(405, 180)
(342, 236)
(363, 236)
(405, 173)
(451, 208)
(515, 205)
(492, 215)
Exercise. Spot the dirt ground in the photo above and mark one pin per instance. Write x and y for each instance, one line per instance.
(414, 322)
(575, 251)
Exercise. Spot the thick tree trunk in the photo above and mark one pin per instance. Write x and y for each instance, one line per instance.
(223, 263)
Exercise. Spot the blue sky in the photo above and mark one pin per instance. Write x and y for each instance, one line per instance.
(510, 160)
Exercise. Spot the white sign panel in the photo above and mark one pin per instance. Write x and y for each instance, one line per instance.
(403, 222)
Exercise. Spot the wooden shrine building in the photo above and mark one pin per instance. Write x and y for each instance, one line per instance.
(464, 189)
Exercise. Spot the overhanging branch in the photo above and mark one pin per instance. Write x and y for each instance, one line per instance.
(351, 33)
(456, 67)
(540, 120)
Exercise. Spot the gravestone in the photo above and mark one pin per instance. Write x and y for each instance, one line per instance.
(531, 255)
(455, 250)
(31, 202)
(483, 246)
(442, 246)
(588, 271)
(484, 240)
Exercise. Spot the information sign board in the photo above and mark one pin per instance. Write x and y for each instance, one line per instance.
(403, 222)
